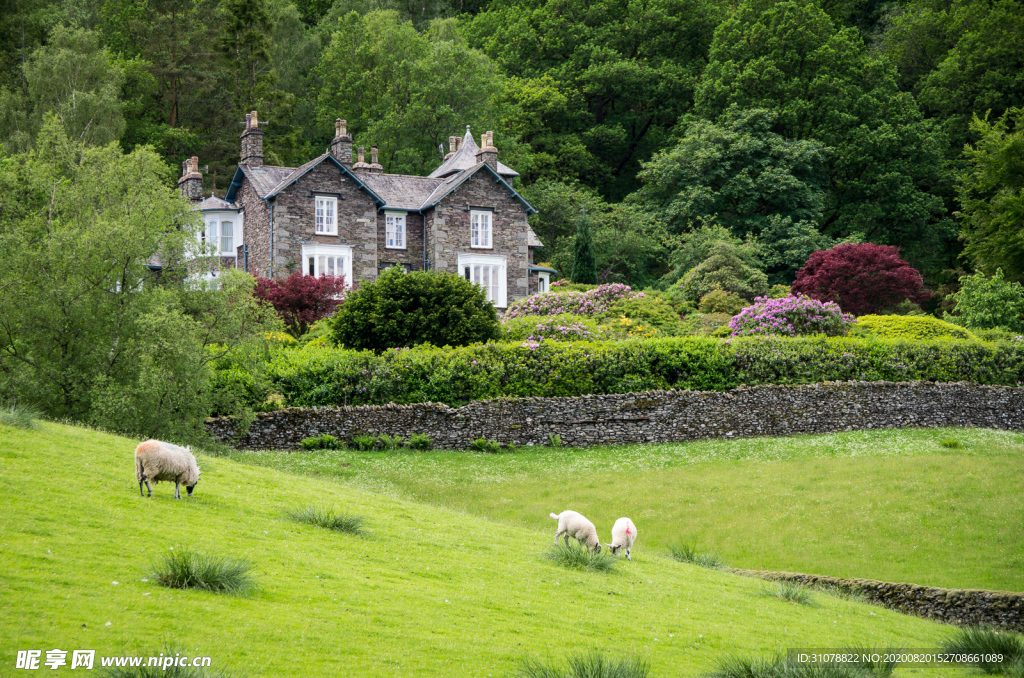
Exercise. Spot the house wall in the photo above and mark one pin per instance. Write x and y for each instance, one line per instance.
(256, 229)
(413, 253)
(295, 221)
(450, 235)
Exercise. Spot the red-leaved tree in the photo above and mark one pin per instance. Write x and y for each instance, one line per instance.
(301, 300)
(861, 278)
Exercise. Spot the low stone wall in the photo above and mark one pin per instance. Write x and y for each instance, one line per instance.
(650, 416)
(953, 606)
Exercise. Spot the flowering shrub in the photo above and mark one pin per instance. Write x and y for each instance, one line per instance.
(791, 316)
(535, 329)
(591, 303)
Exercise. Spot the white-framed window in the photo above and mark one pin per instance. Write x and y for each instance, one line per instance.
(479, 228)
(543, 282)
(326, 215)
(394, 230)
(220, 234)
(319, 260)
(489, 272)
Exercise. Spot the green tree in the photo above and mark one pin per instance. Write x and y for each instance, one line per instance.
(724, 269)
(985, 303)
(246, 43)
(76, 79)
(584, 268)
(992, 195)
(87, 331)
(689, 249)
(886, 162)
(403, 91)
(401, 309)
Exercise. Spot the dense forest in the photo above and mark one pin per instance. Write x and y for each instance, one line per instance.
(783, 127)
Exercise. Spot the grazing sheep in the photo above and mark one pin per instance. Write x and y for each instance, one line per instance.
(623, 535)
(156, 461)
(572, 524)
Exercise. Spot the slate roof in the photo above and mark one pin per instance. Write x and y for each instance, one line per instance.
(266, 177)
(401, 191)
(215, 203)
(531, 238)
(465, 158)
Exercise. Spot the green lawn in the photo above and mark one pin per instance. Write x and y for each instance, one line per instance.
(431, 591)
(888, 505)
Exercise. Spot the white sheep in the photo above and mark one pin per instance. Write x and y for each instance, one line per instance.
(572, 524)
(156, 460)
(623, 535)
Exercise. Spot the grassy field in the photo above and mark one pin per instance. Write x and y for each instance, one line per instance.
(428, 591)
(888, 505)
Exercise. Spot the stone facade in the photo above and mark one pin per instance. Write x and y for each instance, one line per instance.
(650, 416)
(412, 255)
(953, 606)
(257, 230)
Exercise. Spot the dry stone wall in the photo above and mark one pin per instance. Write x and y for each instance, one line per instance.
(649, 416)
(953, 606)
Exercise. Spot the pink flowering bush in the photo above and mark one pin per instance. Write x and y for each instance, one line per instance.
(565, 327)
(591, 303)
(790, 316)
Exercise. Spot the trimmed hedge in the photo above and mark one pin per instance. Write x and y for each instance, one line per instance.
(322, 376)
(911, 327)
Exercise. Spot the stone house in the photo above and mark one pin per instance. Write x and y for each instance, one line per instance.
(332, 216)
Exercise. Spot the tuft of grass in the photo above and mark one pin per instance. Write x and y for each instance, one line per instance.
(951, 443)
(841, 593)
(987, 641)
(420, 441)
(593, 664)
(159, 671)
(485, 445)
(364, 443)
(391, 442)
(688, 553)
(321, 442)
(576, 556)
(19, 416)
(328, 520)
(184, 569)
(786, 666)
(790, 592)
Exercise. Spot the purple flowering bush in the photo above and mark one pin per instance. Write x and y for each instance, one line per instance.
(564, 327)
(591, 303)
(790, 316)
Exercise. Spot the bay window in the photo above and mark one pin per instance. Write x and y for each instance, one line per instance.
(319, 260)
(489, 272)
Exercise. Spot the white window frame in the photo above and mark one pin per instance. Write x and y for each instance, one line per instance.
(319, 259)
(488, 271)
(543, 282)
(211, 238)
(481, 229)
(325, 215)
(396, 231)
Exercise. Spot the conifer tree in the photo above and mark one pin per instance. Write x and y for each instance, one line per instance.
(584, 267)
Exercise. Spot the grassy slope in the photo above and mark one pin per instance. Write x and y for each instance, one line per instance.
(431, 592)
(889, 505)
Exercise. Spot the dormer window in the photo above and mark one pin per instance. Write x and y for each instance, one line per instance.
(218, 236)
(394, 230)
(326, 215)
(480, 228)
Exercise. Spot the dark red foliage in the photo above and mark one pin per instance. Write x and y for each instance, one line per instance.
(861, 278)
(301, 300)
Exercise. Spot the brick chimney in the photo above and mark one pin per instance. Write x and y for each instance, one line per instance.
(361, 165)
(341, 147)
(252, 142)
(488, 153)
(191, 182)
(375, 167)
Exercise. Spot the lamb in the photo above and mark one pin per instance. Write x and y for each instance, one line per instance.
(623, 535)
(156, 461)
(572, 524)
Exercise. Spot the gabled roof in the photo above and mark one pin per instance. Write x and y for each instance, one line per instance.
(453, 182)
(401, 191)
(531, 238)
(268, 180)
(465, 158)
(214, 203)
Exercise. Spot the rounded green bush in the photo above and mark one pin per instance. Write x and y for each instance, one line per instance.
(649, 310)
(401, 309)
(911, 327)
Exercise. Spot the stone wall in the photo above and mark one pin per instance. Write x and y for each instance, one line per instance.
(256, 231)
(953, 606)
(650, 416)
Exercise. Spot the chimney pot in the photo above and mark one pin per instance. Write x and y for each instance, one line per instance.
(191, 182)
(341, 146)
(255, 122)
(375, 167)
(252, 142)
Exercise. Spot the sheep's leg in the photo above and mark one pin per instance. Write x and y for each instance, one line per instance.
(177, 490)
(566, 540)
(628, 557)
(148, 487)
(557, 535)
(141, 493)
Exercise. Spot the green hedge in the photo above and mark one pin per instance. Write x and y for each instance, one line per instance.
(911, 327)
(318, 375)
